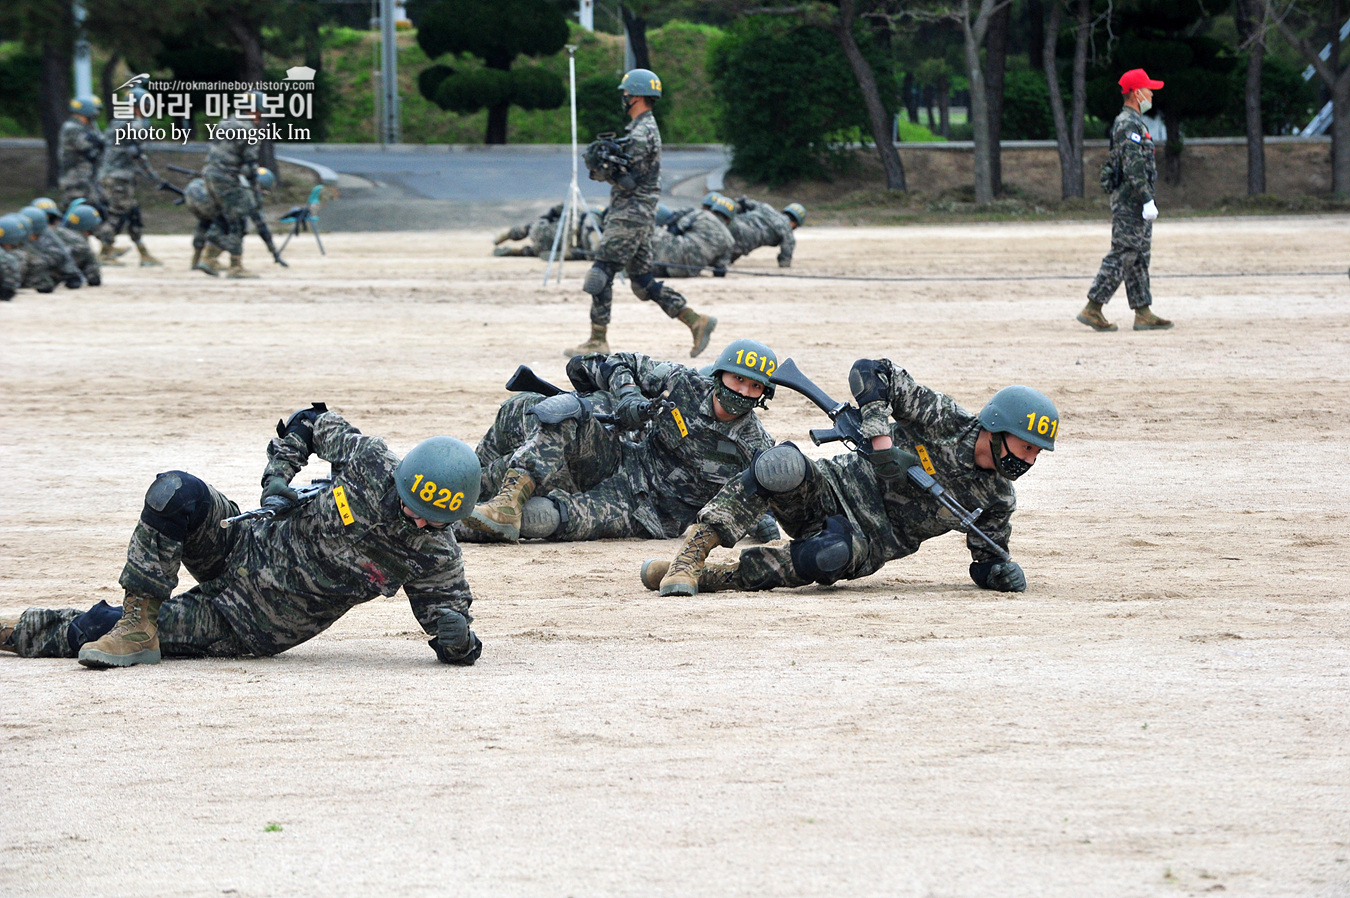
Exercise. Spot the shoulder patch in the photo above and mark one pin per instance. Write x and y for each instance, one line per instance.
(1134, 135)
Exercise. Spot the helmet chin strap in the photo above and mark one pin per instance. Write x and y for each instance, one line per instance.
(1009, 465)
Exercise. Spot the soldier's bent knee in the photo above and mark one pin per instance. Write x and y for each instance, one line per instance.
(597, 279)
(646, 286)
(176, 504)
(778, 470)
(821, 556)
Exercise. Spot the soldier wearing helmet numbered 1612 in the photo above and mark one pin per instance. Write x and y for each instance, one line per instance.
(574, 476)
(850, 514)
(632, 166)
(288, 571)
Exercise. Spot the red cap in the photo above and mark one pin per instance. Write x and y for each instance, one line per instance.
(1135, 79)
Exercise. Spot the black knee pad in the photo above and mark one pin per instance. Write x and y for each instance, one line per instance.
(176, 504)
(821, 556)
(92, 625)
(780, 469)
(646, 286)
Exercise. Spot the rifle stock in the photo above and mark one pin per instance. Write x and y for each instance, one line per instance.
(526, 381)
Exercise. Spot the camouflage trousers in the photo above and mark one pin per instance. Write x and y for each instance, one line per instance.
(74, 189)
(189, 624)
(575, 470)
(627, 246)
(11, 274)
(1131, 239)
(124, 206)
(813, 513)
(235, 202)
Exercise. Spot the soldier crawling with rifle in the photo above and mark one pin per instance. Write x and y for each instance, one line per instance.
(212, 224)
(920, 461)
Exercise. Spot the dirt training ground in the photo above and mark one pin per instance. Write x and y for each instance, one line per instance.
(1165, 711)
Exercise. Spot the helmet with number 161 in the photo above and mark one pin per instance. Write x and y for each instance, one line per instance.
(641, 83)
(750, 359)
(1025, 413)
(438, 480)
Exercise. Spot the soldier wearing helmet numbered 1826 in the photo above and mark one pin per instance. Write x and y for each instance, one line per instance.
(644, 469)
(850, 514)
(633, 168)
(265, 585)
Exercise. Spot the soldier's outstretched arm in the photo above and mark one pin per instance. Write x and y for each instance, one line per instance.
(315, 431)
(882, 387)
(787, 244)
(440, 601)
(987, 570)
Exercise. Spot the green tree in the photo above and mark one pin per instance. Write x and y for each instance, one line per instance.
(495, 31)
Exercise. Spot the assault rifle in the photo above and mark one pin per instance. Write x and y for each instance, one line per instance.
(259, 223)
(275, 505)
(606, 158)
(526, 381)
(848, 430)
(165, 184)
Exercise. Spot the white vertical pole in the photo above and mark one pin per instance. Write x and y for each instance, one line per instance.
(84, 81)
(571, 214)
(389, 73)
(586, 15)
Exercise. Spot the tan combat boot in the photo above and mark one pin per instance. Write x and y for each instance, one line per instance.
(132, 640)
(1092, 316)
(501, 515)
(701, 326)
(713, 577)
(237, 269)
(210, 262)
(147, 260)
(597, 342)
(108, 255)
(682, 577)
(1145, 320)
(502, 237)
(7, 628)
(196, 258)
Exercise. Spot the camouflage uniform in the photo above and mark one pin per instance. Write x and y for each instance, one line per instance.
(266, 586)
(696, 240)
(225, 162)
(1131, 235)
(638, 490)
(49, 263)
(123, 159)
(11, 274)
(80, 149)
(629, 222)
(211, 225)
(759, 224)
(543, 230)
(843, 498)
(84, 258)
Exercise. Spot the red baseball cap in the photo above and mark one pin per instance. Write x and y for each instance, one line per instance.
(1135, 79)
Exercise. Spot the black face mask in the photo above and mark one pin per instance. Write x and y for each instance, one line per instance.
(1009, 465)
(626, 103)
(733, 403)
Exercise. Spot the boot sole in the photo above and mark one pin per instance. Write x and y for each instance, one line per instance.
(679, 589)
(206, 270)
(502, 531)
(1097, 327)
(650, 583)
(707, 335)
(1154, 327)
(102, 660)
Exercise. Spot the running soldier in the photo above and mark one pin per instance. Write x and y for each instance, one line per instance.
(759, 224)
(49, 262)
(696, 240)
(632, 165)
(232, 157)
(1129, 176)
(267, 584)
(123, 160)
(79, 153)
(850, 514)
(595, 484)
(541, 233)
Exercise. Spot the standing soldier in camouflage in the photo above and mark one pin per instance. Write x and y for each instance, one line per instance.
(696, 240)
(267, 584)
(759, 224)
(123, 160)
(49, 262)
(541, 233)
(13, 232)
(232, 156)
(627, 242)
(81, 149)
(73, 230)
(850, 514)
(1129, 176)
(594, 484)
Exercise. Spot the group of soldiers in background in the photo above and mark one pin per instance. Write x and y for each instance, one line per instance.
(42, 247)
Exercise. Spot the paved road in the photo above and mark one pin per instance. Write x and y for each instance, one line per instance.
(471, 187)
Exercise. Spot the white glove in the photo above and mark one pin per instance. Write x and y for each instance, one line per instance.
(1150, 210)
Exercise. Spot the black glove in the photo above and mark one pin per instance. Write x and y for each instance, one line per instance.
(73, 282)
(94, 281)
(302, 423)
(892, 463)
(631, 411)
(279, 492)
(455, 643)
(719, 272)
(868, 381)
(1004, 576)
(766, 529)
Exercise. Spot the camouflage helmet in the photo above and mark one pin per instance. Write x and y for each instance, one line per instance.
(721, 205)
(439, 479)
(37, 219)
(48, 205)
(1023, 412)
(82, 217)
(796, 212)
(641, 83)
(14, 229)
(89, 107)
(663, 214)
(266, 180)
(750, 359)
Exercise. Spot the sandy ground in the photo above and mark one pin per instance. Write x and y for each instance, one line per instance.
(1165, 711)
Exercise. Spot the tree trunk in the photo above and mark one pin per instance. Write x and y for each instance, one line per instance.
(973, 33)
(1082, 34)
(1248, 14)
(1340, 134)
(944, 104)
(637, 39)
(930, 100)
(54, 103)
(1068, 131)
(1173, 148)
(1036, 37)
(105, 80)
(496, 123)
(911, 99)
(996, 63)
(248, 34)
(877, 119)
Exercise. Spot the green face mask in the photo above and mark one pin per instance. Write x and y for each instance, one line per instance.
(732, 402)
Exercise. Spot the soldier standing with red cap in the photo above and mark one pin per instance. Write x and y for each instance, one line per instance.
(1129, 177)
